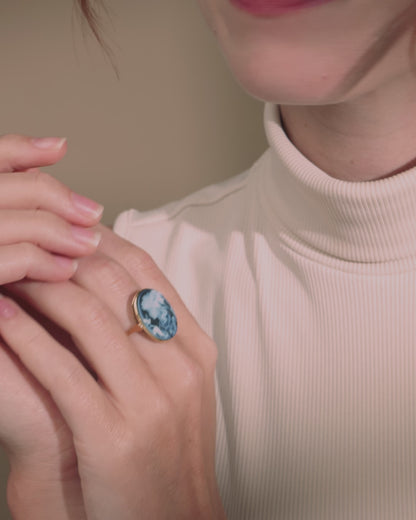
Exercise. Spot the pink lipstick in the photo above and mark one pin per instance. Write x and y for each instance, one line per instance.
(275, 7)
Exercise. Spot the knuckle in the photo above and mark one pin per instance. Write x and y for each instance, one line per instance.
(92, 313)
(138, 260)
(70, 376)
(97, 315)
(192, 375)
(108, 271)
(40, 179)
(161, 411)
(41, 216)
(33, 338)
(61, 190)
(31, 260)
(43, 188)
(28, 252)
(45, 183)
(40, 183)
(11, 152)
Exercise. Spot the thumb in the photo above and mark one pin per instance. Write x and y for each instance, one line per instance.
(19, 152)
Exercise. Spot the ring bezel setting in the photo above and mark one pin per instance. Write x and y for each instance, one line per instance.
(154, 315)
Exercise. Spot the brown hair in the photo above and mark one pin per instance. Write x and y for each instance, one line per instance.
(91, 16)
(90, 11)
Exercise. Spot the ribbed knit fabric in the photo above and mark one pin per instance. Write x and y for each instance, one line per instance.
(308, 285)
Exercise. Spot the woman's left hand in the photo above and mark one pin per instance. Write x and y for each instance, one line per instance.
(143, 417)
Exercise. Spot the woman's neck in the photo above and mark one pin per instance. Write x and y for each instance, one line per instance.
(368, 138)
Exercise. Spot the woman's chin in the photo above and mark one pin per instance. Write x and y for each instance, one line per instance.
(285, 87)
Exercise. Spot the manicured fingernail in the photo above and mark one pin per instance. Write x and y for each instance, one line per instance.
(87, 206)
(67, 263)
(7, 310)
(49, 143)
(86, 236)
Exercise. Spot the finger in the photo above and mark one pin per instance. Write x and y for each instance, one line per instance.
(19, 152)
(146, 273)
(140, 265)
(38, 190)
(47, 231)
(178, 373)
(25, 260)
(113, 285)
(73, 389)
(95, 330)
(110, 283)
(182, 368)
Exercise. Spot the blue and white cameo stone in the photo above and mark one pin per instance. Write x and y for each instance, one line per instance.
(156, 314)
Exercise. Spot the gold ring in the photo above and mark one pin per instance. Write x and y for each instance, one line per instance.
(154, 315)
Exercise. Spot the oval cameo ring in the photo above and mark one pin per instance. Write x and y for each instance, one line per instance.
(154, 315)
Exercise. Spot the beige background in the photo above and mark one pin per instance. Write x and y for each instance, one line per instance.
(174, 122)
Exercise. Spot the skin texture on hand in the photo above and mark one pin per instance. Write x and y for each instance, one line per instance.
(44, 226)
(37, 498)
(37, 218)
(39, 445)
(144, 426)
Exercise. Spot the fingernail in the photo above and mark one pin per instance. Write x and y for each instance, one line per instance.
(49, 143)
(7, 310)
(67, 263)
(87, 206)
(86, 236)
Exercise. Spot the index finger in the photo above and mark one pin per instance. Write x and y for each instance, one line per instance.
(20, 152)
(38, 190)
(138, 263)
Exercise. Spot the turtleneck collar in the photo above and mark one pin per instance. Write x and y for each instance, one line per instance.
(367, 222)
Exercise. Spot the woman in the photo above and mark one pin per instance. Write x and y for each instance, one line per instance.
(301, 270)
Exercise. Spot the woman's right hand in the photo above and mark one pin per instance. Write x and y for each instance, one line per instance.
(44, 226)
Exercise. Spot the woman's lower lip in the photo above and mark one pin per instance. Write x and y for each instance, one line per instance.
(275, 7)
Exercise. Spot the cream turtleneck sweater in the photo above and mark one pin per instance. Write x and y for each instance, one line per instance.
(308, 285)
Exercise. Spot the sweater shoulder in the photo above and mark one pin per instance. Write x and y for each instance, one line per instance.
(203, 208)
(192, 234)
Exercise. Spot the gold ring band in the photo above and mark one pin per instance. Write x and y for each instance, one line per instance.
(136, 328)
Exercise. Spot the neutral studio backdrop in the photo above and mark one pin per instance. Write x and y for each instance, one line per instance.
(173, 122)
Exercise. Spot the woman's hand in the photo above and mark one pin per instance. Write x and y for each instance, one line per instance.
(43, 481)
(43, 224)
(144, 424)
(43, 227)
